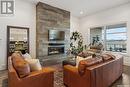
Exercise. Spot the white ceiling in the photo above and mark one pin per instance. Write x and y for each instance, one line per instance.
(87, 6)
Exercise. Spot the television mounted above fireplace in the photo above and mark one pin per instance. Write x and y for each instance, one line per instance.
(56, 35)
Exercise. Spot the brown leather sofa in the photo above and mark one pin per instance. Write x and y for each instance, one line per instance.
(42, 78)
(98, 75)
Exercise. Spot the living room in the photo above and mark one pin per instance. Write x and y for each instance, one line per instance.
(49, 29)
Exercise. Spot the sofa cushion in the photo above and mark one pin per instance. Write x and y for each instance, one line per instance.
(86, 63)
(34, 64)
(107, 56)
(21, 66)
(97, 46)
(94, 47)
(84, 54)
(94, 51)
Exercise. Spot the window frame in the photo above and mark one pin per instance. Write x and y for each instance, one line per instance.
(104, 28)
(105, 37)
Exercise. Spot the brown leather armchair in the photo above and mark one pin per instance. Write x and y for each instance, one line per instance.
(42, 78)
(98, 75)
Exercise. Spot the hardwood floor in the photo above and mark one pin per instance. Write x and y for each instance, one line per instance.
(3, 79)
(123, 81)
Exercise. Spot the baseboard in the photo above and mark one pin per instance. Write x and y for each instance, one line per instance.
(127, 60)
(3, 67)
(127, 64)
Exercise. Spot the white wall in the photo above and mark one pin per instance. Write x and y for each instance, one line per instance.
(25, 16)
(74, 24)
(115, 15)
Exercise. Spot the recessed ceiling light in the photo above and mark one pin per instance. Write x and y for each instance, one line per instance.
(81, 12)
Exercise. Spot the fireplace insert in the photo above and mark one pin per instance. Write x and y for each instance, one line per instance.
(55, 50)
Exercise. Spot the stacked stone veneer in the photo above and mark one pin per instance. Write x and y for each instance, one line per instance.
(49, 17)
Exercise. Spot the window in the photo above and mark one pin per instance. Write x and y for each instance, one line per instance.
(116, 38)
(113, 37)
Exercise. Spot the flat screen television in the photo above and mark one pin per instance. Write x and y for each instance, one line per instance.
(56, 35)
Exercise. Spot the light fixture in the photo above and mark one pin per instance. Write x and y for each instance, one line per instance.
(81, 12)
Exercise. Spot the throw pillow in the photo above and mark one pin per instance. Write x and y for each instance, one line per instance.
(84, 54)
(20, 65)
(26, 55)
(34, 64)
(78, 59)
(107, 56)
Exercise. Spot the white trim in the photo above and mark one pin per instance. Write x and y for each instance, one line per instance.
(127, 64)
(3, 67)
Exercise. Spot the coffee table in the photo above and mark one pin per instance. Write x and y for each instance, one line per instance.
(69, 61)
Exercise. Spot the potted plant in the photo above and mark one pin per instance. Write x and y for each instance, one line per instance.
(76, 43)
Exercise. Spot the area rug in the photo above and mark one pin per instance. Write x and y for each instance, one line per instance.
(58, 79)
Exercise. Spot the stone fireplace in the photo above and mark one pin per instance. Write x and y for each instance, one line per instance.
(51, 18)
